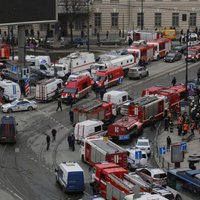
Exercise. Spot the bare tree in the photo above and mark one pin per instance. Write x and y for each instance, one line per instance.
(74, 9)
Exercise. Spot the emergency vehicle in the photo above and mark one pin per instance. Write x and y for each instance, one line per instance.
(169, 33)
(124, 129)
(95, 149)
(87, 128)
(109, 77)
(48, 89)
(145, 107)
(78, 88)
(143, 35)
(144, 196)
(70, 176)
(4, 52)
(162, 47)
(77, 62)
(115, 183)
(9, 90)
(104, 111)
(193, 54)
(145, 52)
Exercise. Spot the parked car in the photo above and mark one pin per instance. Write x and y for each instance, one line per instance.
(138, 72)
(173, 56)
(109, 41)
(180, 48)
(80, 41)
(19, 105)
(155, 176)
(143, 144)
(163, 192)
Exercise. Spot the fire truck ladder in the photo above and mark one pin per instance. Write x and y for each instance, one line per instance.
(91, 107)
(145, 100)
(135, 179)
(127, 186)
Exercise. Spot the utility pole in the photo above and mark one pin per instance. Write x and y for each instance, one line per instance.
(123, 27)
(142, 15)
(88, 25)
(186, 64)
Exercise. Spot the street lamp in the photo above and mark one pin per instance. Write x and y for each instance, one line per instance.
(88, 2)
(186, 63)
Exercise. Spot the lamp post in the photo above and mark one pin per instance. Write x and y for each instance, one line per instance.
(142, 14)
(186, 64)
(88, 25)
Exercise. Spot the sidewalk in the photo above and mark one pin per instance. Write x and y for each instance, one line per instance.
(193, 146)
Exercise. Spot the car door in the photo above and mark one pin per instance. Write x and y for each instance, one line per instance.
(146, 175)
(18, 106)
(24, 105)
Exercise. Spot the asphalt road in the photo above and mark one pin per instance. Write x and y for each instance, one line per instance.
(27, 169)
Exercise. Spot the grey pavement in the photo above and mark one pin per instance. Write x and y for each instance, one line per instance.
(193, 147)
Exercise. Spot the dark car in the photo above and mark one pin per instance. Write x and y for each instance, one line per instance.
(173, 56)
(109, 41)
(34, 78)
(80, 41)
(180, 48)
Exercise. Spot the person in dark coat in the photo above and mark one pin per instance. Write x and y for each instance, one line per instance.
(59, 105)
(166, 123)
(71, 116)
(174, 81)
(95, 87)
(73, 142)
(70, 100)
(169, 142)
(153, 123)
(48, 139)
(130, 41)
(102, 92)
(69, 139)
(53, 132)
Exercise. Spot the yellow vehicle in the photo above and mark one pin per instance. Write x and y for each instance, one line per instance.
(169, 33)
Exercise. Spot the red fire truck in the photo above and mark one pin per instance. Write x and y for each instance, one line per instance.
(96, 149)
(4, 52)
(193, 53)
(143, 51)
(115, 183)
(162, 46)
(152, 90)
(124, 129)
(104, 111)
(145, 107)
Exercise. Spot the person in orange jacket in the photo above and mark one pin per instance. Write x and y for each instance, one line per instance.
(185, 128)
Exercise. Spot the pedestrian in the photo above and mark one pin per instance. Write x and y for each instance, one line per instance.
(185, 128)
(107, 33)
(180, 39)
(73, 142)
(70, 100)
(192, 127)
(198, 75)
(53, 132)
(59, 104)
(166, 123)
(69, 139)
(48, 139)
(95, 87)
(120, 33)
(171, 125)
(71, 116)
(98, 37)
(130, 41)
(102, 91)
(169, 142)
(153, 123)
(174, 81)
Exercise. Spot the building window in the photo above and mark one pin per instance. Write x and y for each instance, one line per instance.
(114, 1)
(97, 20)
(79, 24)
(140, 21)
(97, 1)
(158, 19)
(193, 19)
(175, 19)
(114, 19)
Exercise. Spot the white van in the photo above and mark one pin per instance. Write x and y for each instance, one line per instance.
(9, 90)
(49, 89)
(133, 162)
(144, 196)
(70, 176)
(87, 128)
(116, 97)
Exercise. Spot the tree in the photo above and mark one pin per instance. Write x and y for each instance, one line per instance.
(74, 9)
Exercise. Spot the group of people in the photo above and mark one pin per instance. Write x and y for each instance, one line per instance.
(99, 91)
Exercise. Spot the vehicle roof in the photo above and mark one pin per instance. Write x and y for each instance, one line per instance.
(143, 139)
(5, 82)
(90, 122)
(155, 170)
(116, 93)
(70, 166)
(126, 121)
(132, 150)
(107, 70)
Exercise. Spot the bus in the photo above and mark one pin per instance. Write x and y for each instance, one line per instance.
(184, 184)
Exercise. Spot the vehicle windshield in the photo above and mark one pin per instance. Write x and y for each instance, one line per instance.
(170, 54)
(192, 52)
(162, 175)
(14, 102)
(70, 90)
(142, 143)
(99, 78)
(59, 69)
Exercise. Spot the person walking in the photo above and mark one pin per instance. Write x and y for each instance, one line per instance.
(53, 132)
(192, 127)
(166, 123)
(107, 33)
(73, 142)
(174, 81)
(185, 128)
(153, 123)
(71, 116)
(69, 139)
(48, 139)
(70, 100)
(59, 104)
(169, 142)
(171, 125)
(102, 91)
